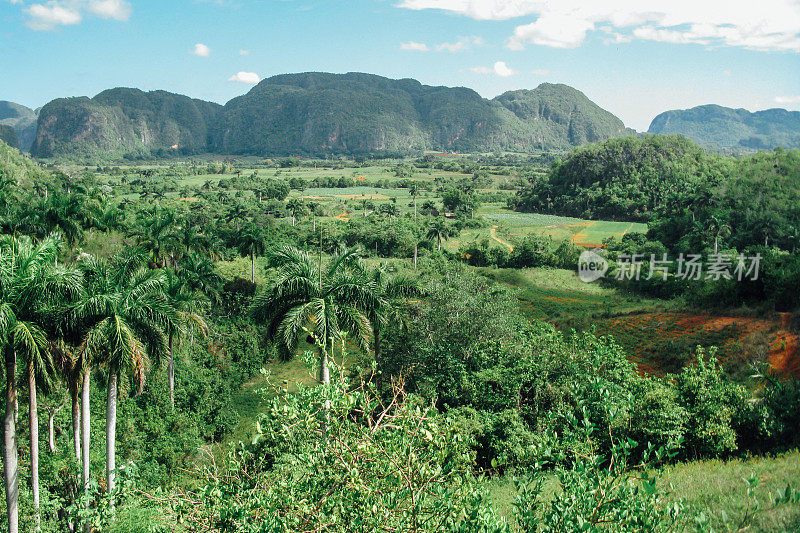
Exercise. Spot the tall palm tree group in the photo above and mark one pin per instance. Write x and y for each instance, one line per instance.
(118, 316)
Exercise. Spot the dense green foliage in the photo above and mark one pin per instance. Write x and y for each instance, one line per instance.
(624, 179)
(695, 203)
(508, 383)
(720, 127)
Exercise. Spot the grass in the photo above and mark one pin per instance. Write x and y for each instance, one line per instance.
(560, 297)
(516, 226)
(712, 487)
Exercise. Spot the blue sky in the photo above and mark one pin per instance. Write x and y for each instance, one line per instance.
(634, 58)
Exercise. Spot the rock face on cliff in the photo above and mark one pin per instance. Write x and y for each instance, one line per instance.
(121, 122)
(722, 127)
(323, 114)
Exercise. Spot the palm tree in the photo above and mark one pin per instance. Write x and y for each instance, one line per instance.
(237, 214)
(126, 316)
(251, 242)
(155, 231)
(323, 299)
(186, 305)
(718, 229)
(200, 275)
(413, 189)
(31, 289)
(387, 294)
(438, 230)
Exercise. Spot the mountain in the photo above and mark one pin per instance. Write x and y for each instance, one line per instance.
(22, 119)
(124, 122)
(318, 114)
(355, 113)
(9, 136)
(722, 127)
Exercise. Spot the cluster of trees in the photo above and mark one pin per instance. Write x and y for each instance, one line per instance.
(694, 203)
(508, 383)
(65, 322)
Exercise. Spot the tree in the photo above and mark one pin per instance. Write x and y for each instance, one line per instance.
(413, 189)
(438, 229)
(236, 214)
(718, 229)
(323, 299)
(155, 232)
(31, 290)
(186, 304)
(252, 242)
(297, 208)
(126, 317)
(387, 294)
(200, 275)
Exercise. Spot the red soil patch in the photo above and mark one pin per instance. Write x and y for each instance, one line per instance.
(784, 345)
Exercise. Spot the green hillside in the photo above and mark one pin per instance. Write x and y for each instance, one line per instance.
(17, 167)
(9, 136)
(122, 121)
(722, 127)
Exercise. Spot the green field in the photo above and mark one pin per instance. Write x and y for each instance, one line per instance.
(513, 225)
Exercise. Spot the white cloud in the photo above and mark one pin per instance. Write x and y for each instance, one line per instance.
(111, 9)
(201, 50)
(499, 69)
(244, 52)
(557, 31)
(540, 72)
(794, 99)
(767, 25)
(250, 78)
(413, 46)
(49, 15)
(464, 43)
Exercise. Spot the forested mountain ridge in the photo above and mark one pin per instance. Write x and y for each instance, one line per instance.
(22, 120)
(121, 122)
(715, 126)
(320, 114)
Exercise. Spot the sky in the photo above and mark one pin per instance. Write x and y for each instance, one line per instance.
(635, 58)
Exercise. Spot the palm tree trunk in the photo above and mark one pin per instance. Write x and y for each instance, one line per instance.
(10, 445)
(324, 371)
(171, 373)
(716, 245)
(85, 426)
(438, 241)
(76, 418)
(252, 267)
(111, 429)
(51, 429)
(33, 417)
(416, 247)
